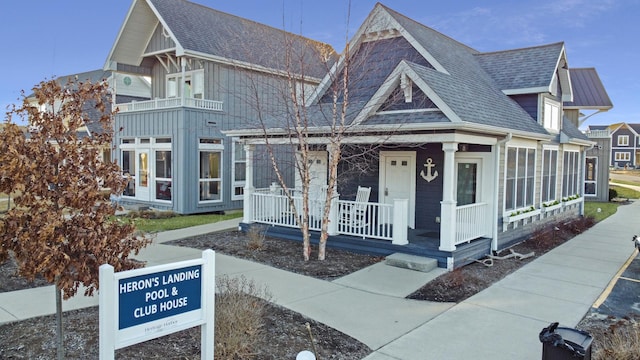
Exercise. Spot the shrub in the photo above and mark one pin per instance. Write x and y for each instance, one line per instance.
(239, 317)
(256, 234)
(621, 342)
(612, 194)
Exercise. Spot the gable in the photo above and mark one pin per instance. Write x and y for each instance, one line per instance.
(371, 64)
(407, 96)
(160, 41)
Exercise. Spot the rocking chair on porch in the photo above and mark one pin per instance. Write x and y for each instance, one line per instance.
(355, 214)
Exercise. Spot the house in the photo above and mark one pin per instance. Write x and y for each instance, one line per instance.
(203, 67)
(473, 150)
(625, 145)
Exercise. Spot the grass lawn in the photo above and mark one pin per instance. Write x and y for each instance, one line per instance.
(606, 209)
(180, 221)
(626, 192)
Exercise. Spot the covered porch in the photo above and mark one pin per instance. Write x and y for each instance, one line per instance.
(452, 218)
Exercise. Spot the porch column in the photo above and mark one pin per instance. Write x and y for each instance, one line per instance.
(248, 185)
(183, 65)
(448, 203)
(400, 223)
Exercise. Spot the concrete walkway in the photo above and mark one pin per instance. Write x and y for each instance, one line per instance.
(501, 322)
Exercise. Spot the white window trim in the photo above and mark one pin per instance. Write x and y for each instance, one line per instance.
(151, 146)
(212, 148)
(190, 75)
(625, 142)
(542, 173)
(548, 120)
(506, 165)
(622, 156)
(578, 174)
(236, 184)
(595, 169)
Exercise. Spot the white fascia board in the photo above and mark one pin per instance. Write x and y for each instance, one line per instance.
(524, 91)
(257, 135)
(179, 48)
(389, 85)
(109, 64)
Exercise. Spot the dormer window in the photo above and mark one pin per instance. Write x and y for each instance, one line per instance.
(551, 116)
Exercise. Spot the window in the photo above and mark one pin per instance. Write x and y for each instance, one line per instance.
(163, 175)
(551, 119)
(591, 176)
(623, 140)
(192, 86)
(210, 170)
(520, 180)
(129, 168)
(623, 156)
(571, 169)
(239, 170)
(549, 174)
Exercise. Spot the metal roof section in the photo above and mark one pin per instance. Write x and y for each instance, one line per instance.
(588, 91)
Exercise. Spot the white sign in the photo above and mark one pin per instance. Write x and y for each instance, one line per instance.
(143, 304)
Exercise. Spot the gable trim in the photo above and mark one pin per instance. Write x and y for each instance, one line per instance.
(393, 80)
(165, 27)
(524, 91)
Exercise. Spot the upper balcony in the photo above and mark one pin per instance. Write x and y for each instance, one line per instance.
(171, 103)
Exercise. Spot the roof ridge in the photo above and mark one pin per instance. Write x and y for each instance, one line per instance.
(520, 49)
(395, 13)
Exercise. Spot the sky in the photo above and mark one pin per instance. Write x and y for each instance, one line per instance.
(42, 39)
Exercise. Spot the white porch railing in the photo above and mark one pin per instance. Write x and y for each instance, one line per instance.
(374, 220)
(471, 222)
(371, 220)
(170, 103)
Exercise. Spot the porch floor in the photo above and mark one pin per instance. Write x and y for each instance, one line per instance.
(421, 243)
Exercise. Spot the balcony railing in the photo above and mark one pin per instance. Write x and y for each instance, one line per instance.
(171, 103)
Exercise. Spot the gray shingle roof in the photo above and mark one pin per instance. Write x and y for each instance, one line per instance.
(571, 131)
(201, 29)
(588, 90)
(526, 68)
(467, 89)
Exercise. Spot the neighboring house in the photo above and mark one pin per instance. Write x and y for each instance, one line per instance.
(208, 70)
(474, 148)
(625, 145)
(123, 88)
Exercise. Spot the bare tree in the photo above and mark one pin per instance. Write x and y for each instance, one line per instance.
(288, 117)
(61, 227)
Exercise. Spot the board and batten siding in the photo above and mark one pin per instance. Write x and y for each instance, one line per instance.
(159, 41)
(601, 151)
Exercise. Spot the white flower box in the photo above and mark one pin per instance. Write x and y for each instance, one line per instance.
(551, 207)
(571, 202)
(525, 215)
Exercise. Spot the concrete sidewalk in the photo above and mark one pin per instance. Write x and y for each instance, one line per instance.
(501, 322)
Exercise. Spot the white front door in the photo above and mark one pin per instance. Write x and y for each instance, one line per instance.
(143, 179)
(397, 179)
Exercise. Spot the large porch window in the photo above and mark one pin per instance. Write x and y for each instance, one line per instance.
(520, 180)
(210, 170)
(549, 174)
(571, 169)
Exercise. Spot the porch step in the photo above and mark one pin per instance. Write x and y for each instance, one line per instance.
(411, 262)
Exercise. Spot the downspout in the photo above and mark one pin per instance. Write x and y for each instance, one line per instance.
(498, 145)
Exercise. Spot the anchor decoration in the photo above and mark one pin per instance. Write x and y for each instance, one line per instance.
(431, 174)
